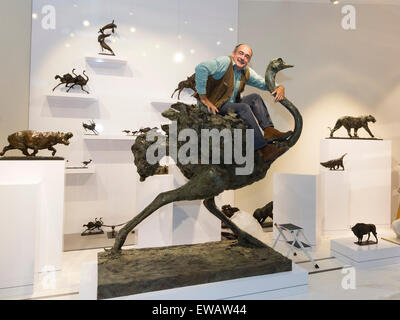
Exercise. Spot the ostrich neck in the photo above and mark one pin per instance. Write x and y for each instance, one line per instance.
(270, 79)
(298, 120)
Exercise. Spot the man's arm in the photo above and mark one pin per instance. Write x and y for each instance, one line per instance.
(215, 68)
(255, 80)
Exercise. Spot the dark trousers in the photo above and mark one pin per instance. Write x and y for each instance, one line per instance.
(251, 109)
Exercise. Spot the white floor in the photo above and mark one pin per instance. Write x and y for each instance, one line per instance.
(333, 280)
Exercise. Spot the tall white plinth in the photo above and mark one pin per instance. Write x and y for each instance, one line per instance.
(49, 223)
(192, 222)
(17, 238)
(368, 168)
(295, 202)
(334, 201)
(155, 230)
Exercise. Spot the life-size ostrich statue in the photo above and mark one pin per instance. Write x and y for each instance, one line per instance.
(206, 181)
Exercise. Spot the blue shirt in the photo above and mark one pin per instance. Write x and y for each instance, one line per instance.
(218, 67)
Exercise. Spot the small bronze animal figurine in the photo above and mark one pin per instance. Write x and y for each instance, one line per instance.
(90, 127)
(355, 123)
(104, 46)
(334, 164)
(90, 226)
(65, 79)
(361, 228)
(262, 213)
(35, 140)
(189, 83)
(111, 26)
(228, 210)
(86, 163)
(79, 81)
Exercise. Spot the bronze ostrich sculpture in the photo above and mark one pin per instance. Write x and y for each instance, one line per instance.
(206, 181)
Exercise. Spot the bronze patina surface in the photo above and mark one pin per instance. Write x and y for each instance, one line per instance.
(151, 269)
(30, 158)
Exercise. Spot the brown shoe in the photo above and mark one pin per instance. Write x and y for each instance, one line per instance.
(270, 133)
(271, 152)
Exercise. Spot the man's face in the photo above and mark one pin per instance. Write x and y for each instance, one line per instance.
(242, 56)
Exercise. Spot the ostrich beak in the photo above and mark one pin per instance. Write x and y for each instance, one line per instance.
(285, 66)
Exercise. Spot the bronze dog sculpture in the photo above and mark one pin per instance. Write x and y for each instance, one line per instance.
(206, 181)
(28, 139)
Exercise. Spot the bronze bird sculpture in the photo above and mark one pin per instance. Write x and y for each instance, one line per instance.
(202, 176)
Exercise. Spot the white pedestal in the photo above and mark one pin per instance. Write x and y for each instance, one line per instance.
(368, 168)
(370, 256)
(295, 202)
(192, 222)
(17, 237)
(155, 230)
(334, 205)
(396, 227)
(49, 221)
(271, 286)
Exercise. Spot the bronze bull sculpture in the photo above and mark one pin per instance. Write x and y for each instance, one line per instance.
(35, 140)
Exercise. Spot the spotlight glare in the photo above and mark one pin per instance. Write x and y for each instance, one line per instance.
(178, 57)
(86, 23)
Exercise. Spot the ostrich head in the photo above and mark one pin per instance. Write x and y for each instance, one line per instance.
(278, 64)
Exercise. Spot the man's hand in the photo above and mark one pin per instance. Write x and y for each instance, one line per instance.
(211, 108)
(280, 93)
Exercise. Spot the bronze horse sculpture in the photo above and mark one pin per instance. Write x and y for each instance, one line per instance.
(201, 176)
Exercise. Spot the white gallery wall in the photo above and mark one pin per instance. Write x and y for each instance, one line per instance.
(337, 72)
(15, 27)
(162, 42)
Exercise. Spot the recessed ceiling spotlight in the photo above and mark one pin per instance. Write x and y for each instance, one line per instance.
(334, 1)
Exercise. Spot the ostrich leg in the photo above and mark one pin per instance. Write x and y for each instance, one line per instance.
(161, 200)
(244, 238)
(196, 189)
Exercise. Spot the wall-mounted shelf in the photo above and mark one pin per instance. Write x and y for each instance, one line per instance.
(106, 61)
(78, 170)
(71, 96)
(107, 137)
(157, 102)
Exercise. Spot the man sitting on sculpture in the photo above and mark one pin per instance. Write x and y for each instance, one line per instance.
(219, 83)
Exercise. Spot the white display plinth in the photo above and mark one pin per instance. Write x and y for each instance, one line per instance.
(270, 286)
(368, 168)
(295, 202)
(334, 202)
(155, 230)
(368, 256)
(17, 237)
(50, 218)
(192, 222)
(396, 227)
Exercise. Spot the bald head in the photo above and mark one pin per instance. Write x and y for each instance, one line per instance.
(242, 55)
